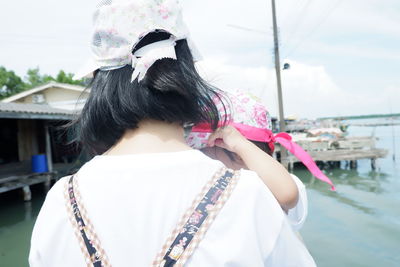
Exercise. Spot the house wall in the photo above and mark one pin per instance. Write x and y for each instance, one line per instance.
(27, 139)
(59, 98)
(58, 94)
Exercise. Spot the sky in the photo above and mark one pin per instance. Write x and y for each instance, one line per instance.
(344, 55)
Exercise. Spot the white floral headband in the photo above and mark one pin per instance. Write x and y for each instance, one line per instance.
(119, 25)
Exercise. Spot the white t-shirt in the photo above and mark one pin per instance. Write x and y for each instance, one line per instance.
(298, 214)
(135, 201)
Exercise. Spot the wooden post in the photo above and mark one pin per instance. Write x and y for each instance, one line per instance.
(48, 148)
(353, 164)
(27, 193)
(28, 211)
(278, 82)
(49, 158)
(47, 183)
(373, 164)
(291, 165)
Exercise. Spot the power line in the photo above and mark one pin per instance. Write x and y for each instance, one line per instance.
(287, 18)
(247, 29)
(298, 21)
(324, 18)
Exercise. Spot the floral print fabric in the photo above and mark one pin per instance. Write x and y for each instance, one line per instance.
(119, 25)
(242, 108)
(196, 219)
(91, 249)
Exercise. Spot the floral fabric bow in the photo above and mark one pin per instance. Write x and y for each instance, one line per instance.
(119, 25)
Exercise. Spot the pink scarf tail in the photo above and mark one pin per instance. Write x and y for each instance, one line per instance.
(286, 141)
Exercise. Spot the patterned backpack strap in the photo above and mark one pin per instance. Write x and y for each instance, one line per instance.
(84, 231)
(198, 218)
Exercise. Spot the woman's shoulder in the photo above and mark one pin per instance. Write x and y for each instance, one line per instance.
(251, 190)
(251, 216)
(54, 204)
(57, 191)
(53, 210)
(55, 195)
(250, 181)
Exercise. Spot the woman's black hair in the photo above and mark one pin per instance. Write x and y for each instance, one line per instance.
(171, 91)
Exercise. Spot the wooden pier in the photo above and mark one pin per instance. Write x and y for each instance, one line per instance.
(27, 130)
(25, 181)
(350, 156)
(19, 176)
(348, 149)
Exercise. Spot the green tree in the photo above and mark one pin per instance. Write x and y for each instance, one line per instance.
(33, 77)
(63, 77)
(10, 83)
(47, 78)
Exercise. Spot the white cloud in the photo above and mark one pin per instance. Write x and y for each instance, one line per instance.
(308, 91)
(382, 101)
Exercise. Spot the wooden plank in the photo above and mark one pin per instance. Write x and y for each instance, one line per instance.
(27, 182)
(342, 154)
(310, 146)
(25, 176)
(357, 143)
(16, 182)
(11, 178)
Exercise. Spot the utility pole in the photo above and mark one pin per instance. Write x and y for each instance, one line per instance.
(278, 80)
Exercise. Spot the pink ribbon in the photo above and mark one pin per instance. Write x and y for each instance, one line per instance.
(265, 135)
(286, 141)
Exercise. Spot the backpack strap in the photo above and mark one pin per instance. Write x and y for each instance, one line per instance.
(90, 245)
(183, 240)
(196, 221)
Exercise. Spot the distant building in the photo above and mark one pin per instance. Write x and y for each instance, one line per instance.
(56, 95)
(28, 130)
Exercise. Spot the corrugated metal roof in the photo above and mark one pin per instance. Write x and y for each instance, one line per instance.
(33, 111)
